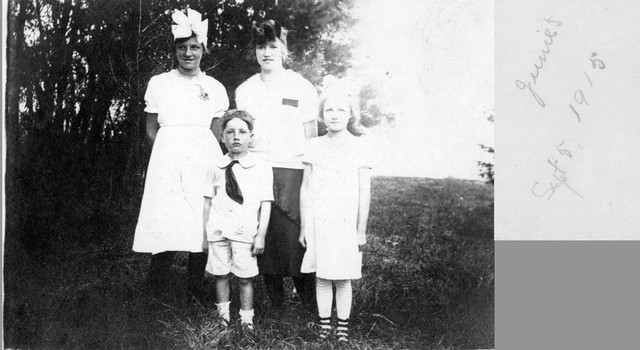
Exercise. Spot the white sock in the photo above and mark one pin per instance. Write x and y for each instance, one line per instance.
(324, 297)
(246, 316)
(343, 298)
(223, 310)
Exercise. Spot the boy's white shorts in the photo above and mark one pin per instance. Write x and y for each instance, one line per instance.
(231, 256)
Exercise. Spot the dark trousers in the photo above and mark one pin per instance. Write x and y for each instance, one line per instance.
(161, 264)
(305, 286)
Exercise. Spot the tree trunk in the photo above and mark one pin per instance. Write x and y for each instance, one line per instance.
(15, 22)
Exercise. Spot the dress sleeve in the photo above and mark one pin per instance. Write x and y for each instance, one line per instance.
(267, 184)
(307, 156)
(241, 99)
(221, 99)
(151, 97)
(364, 153)
(309, 101)
(212, 182)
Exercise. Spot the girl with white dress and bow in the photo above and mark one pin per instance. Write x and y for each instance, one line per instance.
(334, 210)
(180, 106)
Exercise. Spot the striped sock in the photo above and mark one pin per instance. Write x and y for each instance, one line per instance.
(342, 331)
(325, 327)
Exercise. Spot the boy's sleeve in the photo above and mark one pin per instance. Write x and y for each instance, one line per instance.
(151, 96)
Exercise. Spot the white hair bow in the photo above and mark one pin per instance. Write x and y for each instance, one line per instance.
(192, 22)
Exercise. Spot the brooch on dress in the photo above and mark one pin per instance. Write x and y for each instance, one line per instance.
(203, 93)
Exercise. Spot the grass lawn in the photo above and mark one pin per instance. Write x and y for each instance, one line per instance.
(428, 283)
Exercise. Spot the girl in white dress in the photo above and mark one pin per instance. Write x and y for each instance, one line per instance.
(180, 106)
(334, 208)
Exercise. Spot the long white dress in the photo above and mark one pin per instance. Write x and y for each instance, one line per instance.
(172, 204)
(333, 198)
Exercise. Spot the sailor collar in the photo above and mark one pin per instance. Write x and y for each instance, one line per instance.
(247, 161)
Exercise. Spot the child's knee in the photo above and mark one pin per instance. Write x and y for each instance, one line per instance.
(244, 281)
(343, 284)
(323, 284)
(222, 277)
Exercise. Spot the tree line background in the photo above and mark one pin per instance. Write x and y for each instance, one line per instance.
(77, 74)
(77, 153)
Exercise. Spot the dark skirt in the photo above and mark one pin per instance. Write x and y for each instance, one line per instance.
(283, 253)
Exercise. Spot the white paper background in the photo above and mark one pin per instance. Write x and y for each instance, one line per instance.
(604, 167)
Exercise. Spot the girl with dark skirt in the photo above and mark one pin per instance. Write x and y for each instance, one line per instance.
(284, 105)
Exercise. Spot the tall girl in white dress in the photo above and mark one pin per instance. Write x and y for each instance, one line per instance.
(285, 107)
(180, 106)
(334, 209)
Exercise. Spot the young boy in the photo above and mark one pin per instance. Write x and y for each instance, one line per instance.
(237, 206)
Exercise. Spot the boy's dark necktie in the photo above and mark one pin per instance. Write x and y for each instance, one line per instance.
(231, 185)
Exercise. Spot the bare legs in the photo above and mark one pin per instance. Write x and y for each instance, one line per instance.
(223, 293)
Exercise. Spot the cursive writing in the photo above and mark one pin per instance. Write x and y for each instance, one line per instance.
(538, 66)
(559, 175)
(560, 180)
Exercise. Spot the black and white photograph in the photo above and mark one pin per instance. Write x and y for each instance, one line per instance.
(248, 174)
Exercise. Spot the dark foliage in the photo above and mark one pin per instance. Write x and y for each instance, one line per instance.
(77, 73)
(486, 168)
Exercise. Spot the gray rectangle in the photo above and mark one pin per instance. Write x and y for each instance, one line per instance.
(567, 295)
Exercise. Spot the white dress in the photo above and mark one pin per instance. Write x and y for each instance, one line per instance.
(333, 198)
(172, 204)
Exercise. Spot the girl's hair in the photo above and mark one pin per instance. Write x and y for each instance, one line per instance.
(205, 49)
(236, 113)
(354, 109)
(270, 30)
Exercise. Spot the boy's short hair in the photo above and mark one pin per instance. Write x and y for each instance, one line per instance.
(236, 113)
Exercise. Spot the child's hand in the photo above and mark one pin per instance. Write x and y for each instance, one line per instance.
(205, 242)
(258, 245)
(303, 240)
